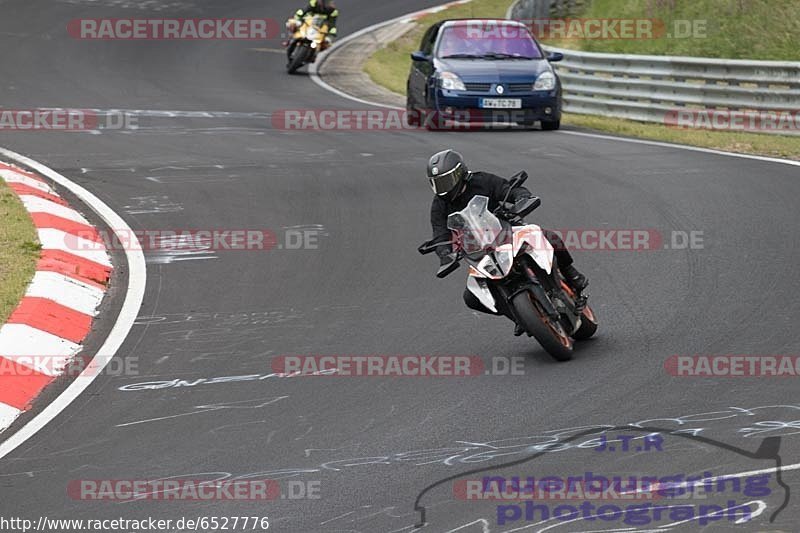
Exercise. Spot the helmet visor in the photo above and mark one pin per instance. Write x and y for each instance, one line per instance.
(444, 183)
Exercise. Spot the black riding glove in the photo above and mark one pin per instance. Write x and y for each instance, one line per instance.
(446, 259)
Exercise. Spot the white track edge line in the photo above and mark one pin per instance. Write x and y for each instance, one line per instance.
(134, 296)
(684, 147)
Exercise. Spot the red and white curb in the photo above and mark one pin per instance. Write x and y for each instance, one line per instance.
(45, 331)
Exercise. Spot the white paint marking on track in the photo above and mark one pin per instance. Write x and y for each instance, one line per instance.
(34, 204)
(137, 280)
(55, 239)
(66, 291)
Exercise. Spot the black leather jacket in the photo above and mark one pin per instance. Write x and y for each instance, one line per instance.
(479, 183)
(315, 8)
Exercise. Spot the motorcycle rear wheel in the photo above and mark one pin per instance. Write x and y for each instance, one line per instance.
(551, 336)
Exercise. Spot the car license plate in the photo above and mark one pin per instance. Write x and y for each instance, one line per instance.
(501, 103)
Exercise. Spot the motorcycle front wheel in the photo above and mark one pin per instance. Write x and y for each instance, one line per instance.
(299, 57)
(588, 325)
(550, 335)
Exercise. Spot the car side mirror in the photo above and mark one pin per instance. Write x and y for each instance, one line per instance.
(555, 57)
(420, 56)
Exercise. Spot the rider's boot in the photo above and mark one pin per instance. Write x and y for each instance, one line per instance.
(575, 279)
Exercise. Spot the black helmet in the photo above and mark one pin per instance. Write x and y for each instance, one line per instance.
(446, 173)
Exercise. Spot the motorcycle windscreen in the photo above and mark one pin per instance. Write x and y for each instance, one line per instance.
(319, 22)
(476, 227)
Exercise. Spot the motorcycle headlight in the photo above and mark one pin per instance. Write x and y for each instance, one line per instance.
(545, 82)
(451, 82)
(505, 260)
(487, 265)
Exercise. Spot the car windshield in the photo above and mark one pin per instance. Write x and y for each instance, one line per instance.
(487, 40)
(476, 227)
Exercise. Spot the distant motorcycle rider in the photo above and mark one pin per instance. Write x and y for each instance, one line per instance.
(454, 186)
(326, 8)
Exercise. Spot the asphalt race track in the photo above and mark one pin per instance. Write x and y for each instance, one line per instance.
(373, 444)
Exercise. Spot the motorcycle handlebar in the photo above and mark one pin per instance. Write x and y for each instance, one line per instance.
(429, 246)
(516, 212)
(449, 268)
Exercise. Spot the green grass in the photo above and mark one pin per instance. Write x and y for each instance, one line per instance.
(782, 146)
(19, 250)
(734, 29)
(389, 66)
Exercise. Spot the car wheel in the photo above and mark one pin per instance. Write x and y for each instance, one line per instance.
(551, 125)
(431, 120)
(412, 115)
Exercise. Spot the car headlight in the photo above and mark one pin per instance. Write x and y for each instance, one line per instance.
(451, 82)
(545, 82)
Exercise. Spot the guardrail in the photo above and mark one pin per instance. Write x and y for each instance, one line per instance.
(655, 88)
(545, 8)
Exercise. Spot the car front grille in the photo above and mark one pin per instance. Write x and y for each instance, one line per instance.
(520, 87)
(478, 87)
(511, 87)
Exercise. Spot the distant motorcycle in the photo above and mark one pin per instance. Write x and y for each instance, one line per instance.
(308, 39)
(512, 270)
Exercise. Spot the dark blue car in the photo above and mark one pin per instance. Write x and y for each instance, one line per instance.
(483, 71)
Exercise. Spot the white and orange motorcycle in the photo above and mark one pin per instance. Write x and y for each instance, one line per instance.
(513, 272)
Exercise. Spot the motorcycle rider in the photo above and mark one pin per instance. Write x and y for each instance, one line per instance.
(454, 186)
(326, 8)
